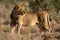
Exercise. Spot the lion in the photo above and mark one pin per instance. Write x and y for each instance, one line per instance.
(21, 17)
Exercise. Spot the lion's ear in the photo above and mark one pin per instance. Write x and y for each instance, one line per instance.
(17, 7)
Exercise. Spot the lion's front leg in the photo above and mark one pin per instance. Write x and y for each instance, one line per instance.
(19, 25)
(12, 27)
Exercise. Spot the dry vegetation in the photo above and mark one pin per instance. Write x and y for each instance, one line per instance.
(27, 32)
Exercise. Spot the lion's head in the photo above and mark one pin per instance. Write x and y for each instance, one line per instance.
(20, 9)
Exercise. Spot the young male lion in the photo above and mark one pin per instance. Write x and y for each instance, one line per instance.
(21, 17)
